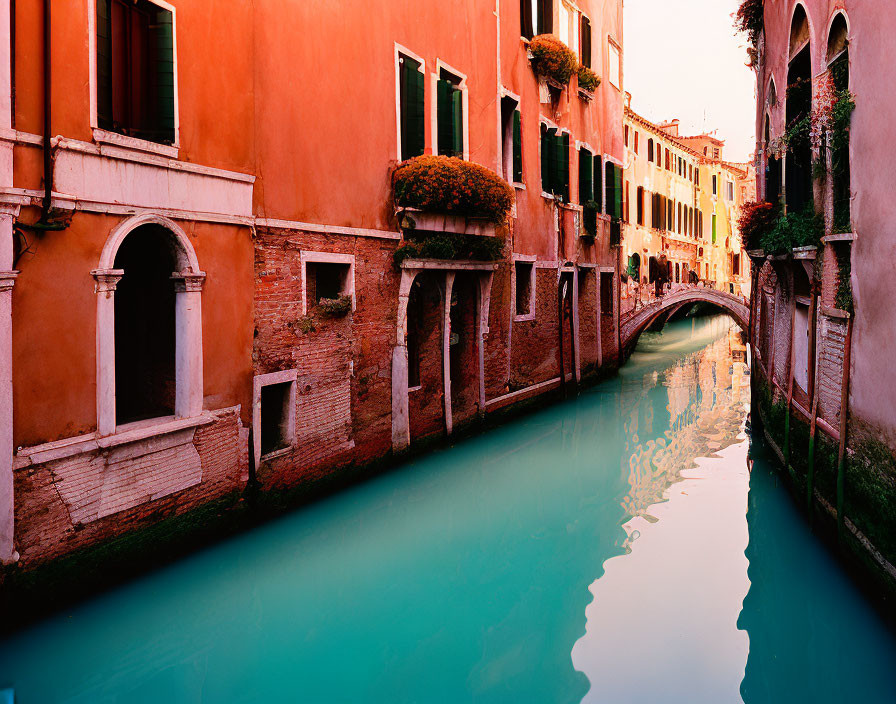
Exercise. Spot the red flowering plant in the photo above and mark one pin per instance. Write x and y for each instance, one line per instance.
(552, 59)
(451, 186)
(757, 219)
(750, 19)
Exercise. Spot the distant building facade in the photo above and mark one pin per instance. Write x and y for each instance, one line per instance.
(682, 205)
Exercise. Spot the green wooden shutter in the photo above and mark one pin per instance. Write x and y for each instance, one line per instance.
(443, 117)
(586, 169)
(103, 64)
(713, 229)
(562, 182)
(609, 188)
(517, 148)
(162, 37)
(412, 113)
(599, 180)
(550, 176)
(617, 178)
(545, 170)
(457, 121)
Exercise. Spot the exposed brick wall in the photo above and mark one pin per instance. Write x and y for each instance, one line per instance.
(53, 519)
(831, 347)
(588, 317)
(533, 349)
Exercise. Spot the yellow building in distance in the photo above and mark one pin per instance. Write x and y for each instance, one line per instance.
(681, 205)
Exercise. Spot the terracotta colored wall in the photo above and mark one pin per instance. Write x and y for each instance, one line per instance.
(54, 325)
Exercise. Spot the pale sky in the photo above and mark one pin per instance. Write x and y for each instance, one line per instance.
(682, 59)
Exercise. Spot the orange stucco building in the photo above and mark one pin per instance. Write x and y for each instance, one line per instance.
(185, 190)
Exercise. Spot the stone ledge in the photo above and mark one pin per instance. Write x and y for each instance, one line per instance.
(840, 237)
(458, 224)
(130, 433)
(449, 264)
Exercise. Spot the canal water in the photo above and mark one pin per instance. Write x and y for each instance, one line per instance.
(615, 548)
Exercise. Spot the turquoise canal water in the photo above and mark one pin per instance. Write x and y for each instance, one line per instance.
(614, 548)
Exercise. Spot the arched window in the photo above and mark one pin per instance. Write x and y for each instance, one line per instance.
(149, 324)
(838, 65)
(798, 162)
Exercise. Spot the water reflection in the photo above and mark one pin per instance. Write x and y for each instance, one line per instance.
(465, 575)
(669, 606)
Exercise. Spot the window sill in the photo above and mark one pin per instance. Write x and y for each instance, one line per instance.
(524, 318)
(124, 435)
(415, 388)
(518, 186)
(274, 454)
(135, 143)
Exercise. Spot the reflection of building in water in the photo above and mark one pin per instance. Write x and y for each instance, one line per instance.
(703, 413)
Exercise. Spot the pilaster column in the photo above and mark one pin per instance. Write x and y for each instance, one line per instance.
(576, 351)
(485, 294)
(106, 281)
(401, 429)
(446, 351)
(7, 505)
(188, 348)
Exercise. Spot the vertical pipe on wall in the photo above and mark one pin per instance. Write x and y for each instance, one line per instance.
(48, 112)
(813, 400)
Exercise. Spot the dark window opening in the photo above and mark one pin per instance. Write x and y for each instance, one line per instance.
(586, 174)
(606, 292)
(586, 42)
(412, 107)
(536, 17)
(324, 280)
(555, 162)
(523, 271)
(798, 161)
(415, 325)
(135, 69)
(275, 417)
(840, 166)
(511, 140)
(145, 326)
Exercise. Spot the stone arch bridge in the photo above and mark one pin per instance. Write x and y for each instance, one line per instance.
(638, 320)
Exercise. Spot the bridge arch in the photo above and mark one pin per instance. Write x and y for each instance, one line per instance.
(639, 320)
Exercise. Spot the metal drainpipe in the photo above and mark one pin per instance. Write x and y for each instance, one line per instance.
(844, 416)
(48, 112)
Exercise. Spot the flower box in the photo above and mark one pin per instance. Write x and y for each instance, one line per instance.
(552, 60)
(449, 186)
(417, 220)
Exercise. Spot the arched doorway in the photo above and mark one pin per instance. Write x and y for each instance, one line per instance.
(145, 326)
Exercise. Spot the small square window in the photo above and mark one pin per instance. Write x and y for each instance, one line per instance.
(525, 289)
(326, 276)
(275, 415)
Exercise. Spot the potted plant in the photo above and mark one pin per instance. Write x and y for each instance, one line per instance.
(588, 81)
(552, 59)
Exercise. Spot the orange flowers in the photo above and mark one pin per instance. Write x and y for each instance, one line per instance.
(442, 184)
(551, 58)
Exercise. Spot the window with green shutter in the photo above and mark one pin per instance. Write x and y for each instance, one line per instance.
(586, 171)
(449, 115)
(561, 153)
(135, 69)
(599, 181)
(517, 148)
(714, 228)
(411, 81)
(548, 158)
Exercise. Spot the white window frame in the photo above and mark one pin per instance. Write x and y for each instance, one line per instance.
(188, 281)
(327, 258)
(507, 153)
(122, 140)
(614, 51)
(399, 51)
(527, 259)
(261, 380)
(434, 106)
